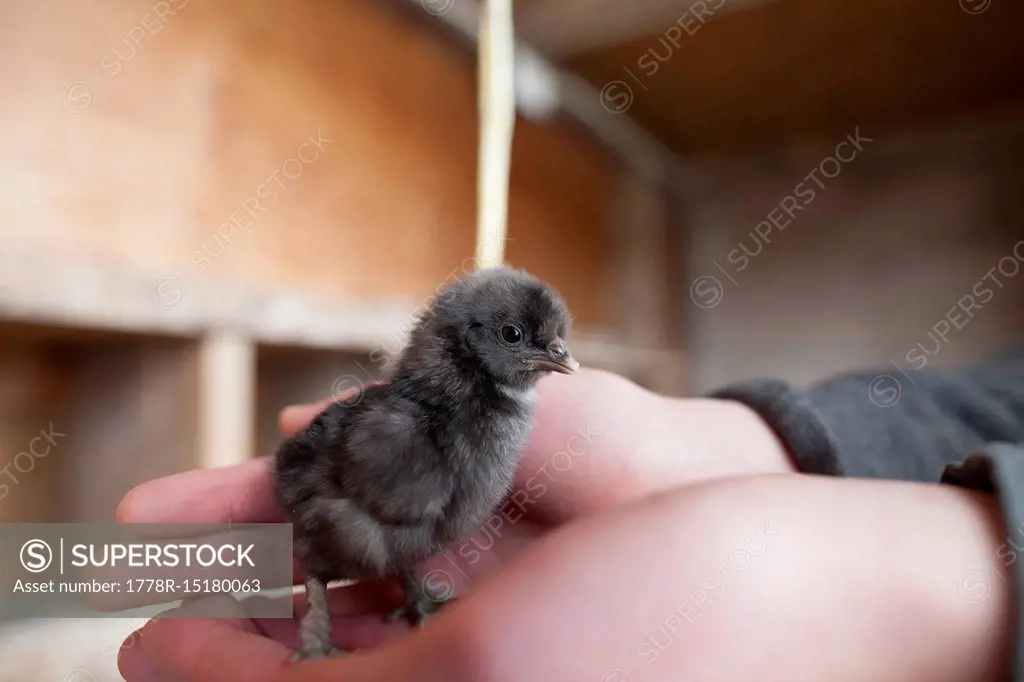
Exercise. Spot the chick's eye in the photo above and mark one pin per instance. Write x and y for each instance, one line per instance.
(511, 334)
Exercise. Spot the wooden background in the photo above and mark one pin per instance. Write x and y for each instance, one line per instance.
(157, 338)
(131, 132)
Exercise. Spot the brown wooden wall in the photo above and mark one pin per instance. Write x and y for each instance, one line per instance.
(916, 240)
(338, 136)
(136, 137)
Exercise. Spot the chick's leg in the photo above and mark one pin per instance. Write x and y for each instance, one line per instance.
(420, 601)
(315, 626)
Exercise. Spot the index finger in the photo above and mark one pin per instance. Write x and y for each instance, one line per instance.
(238, 494)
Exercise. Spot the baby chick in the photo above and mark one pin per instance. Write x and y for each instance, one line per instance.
(377, 486)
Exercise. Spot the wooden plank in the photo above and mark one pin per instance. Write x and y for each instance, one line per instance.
(578, 98)
(94, 295)
(30, 400)
(497, 111)
(227, 399)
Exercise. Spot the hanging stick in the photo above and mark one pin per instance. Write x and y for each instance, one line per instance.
(497, 106)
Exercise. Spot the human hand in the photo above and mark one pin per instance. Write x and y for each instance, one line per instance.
(599, 440)
(775, 578)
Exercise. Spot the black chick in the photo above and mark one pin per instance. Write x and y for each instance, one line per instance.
(377, 486)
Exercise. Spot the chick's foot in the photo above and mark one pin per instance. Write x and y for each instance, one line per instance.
(420, 602)
(304, 655)
(416, 611)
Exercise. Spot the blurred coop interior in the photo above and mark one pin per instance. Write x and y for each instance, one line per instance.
(215, 209)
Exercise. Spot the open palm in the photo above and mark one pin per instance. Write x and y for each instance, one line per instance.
(599, 439)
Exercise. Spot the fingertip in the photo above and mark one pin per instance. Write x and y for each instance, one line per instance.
(128, 509)
(134, 665)
(296, 417)
(241, 493)
(289, 417)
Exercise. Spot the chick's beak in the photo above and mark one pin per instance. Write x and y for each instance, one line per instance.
(558, 359)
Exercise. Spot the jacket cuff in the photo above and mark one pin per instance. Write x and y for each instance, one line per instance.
(789, 412)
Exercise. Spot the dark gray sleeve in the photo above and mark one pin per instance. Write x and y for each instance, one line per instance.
(961, 428)
(891, 424)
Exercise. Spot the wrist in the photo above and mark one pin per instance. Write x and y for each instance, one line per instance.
(968, 603)
(905, 575)
(698, 439)
(810, 577)
(611, 441)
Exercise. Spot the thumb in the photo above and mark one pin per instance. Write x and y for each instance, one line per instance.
(205, 650)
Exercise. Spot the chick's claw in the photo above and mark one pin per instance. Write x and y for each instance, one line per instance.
(416, 611)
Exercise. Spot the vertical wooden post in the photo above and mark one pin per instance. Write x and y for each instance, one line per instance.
(227, 399)
(31, 398)
(497, 106)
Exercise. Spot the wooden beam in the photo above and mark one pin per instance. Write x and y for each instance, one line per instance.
(576, 97)
(31, 397)
(227, 399)
(497, 111)
(95, 295)
(567, 28)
